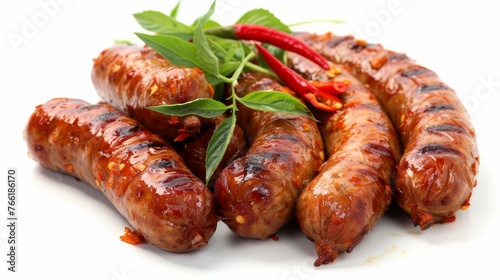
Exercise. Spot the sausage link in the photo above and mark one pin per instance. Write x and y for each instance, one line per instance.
(256, 194)
(352, 191)
(133, 78)
(194, 150)
(437, 173)
(144, 178)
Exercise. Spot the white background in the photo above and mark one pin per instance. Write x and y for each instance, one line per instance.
(67, 230)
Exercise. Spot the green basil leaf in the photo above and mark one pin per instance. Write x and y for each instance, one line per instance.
(217, 145)
(211, 24)
(201, 20)
(219, 91)
(275, 101)
(230, 52)
(264, 17)
(225, 49)
(205, 53)
(229, 67)
(175, 10)
(203, 107)
(160, 23)
(176, 50)
(213, 80)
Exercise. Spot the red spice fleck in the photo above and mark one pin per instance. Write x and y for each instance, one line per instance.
(466, 203)
(183, 136)
(376, 63)
(361, 42)
(336, 220)
(346, 67)
(174, 120)
(173, 88)
(131, 237)
(298, 182)
(449, 219)
(69, 168)
(211, 90)
(198, 70)
(326, 36)
(355, 181)
(274, 237)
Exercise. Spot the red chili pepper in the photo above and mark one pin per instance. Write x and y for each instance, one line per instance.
(270, 36)
(183, 135)
(298, 84)
(314, 101)
(332, 87)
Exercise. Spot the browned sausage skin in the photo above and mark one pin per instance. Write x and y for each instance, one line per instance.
(144, 178)
(352, 191)
(133, 78)
(256, 194)
(438, 169)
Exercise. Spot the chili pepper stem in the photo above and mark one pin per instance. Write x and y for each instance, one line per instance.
(264, 34)
(258, 68)
(223, 32)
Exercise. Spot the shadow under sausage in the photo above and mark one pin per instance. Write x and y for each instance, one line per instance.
(398, 217)
(77, 185)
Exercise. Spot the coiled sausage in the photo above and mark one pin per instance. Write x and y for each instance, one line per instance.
(437, 172)
(133, 78)
(139, 172)
(256, 194)
(352, 191)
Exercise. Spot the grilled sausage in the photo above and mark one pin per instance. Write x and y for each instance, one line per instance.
(256, 194)
(437, 172)
(133, 78)
(144, 178)
(352, 191)
(194, 151)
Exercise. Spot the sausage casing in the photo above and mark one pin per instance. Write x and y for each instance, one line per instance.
(133, 78)
(437, 172)
(352, 191)
(256, 194)
(143, 177)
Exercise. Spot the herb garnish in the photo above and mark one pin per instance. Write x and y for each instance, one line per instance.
(222, 60)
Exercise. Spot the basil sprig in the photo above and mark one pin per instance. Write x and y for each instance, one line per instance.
(222, 60)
